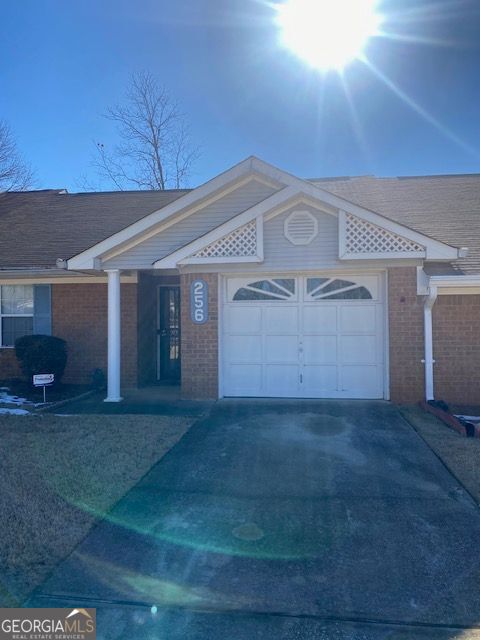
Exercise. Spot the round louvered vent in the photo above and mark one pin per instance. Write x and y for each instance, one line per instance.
(301, 227)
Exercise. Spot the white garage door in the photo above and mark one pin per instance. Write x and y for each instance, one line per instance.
(303, 337)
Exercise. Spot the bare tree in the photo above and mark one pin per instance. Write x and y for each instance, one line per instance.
(15, 173)
(154, 151)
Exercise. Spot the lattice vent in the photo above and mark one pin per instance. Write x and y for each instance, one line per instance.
(240, 243)
(365, 237)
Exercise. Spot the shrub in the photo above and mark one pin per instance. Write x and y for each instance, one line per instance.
(41, 354)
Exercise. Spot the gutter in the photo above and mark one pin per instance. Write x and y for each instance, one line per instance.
(428, 332)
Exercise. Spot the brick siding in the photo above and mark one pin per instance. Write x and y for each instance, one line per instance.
(199, 342)
(405, 313)
(9, 367)
(79, 316)
(456, 349)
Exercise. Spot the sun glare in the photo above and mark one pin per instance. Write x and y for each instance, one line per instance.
(328, 34)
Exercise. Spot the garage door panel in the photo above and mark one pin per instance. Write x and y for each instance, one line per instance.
(244, 349)
(281, 319)
(358, 349)
(319, 318)
(243, 380)
(243, 319)
(320, 349)
(320, 381)
(304, 347)
(361, 381)
(357, 319)
(281, 380)
(281, 349)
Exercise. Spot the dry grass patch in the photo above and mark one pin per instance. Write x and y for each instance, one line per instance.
(58, 475)
(461, 455)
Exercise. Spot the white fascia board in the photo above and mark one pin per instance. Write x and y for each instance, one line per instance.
(224, 260)
(462, 280)
(448, 285)
(461, 283)
(383, 255)
(68, 279)
(184, 253)
(85, 260)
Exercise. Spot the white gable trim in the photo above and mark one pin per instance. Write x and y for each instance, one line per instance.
(281, 202)
(251, 168)
(188, 204)
(184, 254)
(176, 218)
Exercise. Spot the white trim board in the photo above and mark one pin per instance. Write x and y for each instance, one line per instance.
(67, 280)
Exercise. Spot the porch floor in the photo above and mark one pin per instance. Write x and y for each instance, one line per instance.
(155, 400)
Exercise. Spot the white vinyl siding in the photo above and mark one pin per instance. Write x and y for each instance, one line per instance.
(198, 224)
(281, 255)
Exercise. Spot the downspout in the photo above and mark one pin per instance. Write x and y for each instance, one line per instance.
(429, 361)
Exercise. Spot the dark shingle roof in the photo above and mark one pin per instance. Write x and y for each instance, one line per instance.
(37, 227)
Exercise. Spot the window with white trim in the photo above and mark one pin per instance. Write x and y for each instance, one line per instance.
(16, 313)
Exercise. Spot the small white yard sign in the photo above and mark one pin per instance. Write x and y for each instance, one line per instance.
(43, 380)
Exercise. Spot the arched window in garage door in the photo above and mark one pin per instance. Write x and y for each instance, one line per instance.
(335, 289)
(274, 289)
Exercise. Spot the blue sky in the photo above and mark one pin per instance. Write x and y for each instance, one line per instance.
(63, 62)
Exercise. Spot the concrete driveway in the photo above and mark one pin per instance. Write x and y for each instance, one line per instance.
(275, 519)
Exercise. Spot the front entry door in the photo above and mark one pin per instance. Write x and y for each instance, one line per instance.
(168, 334)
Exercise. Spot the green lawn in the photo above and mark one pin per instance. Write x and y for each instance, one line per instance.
(58, 475)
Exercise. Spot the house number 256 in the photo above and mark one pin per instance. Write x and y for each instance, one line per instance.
(199, 302)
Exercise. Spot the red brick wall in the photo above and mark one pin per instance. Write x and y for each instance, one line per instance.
(79, 316)
(456, 349)
(8, 365)
(405, 311)
(199, 342)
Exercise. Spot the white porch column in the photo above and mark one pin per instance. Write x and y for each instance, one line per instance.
(429, 361)
(114, 332)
